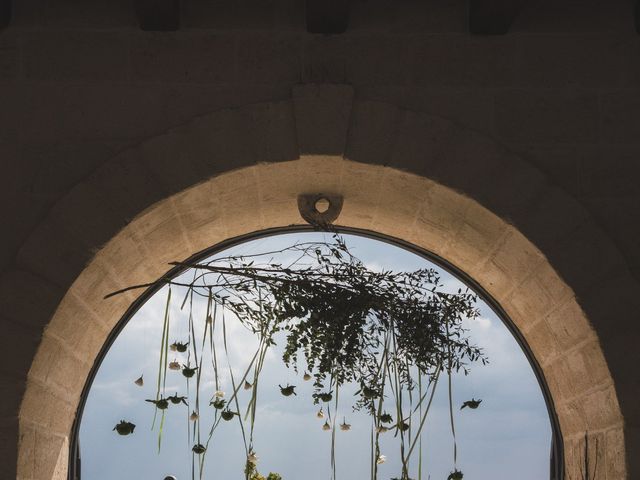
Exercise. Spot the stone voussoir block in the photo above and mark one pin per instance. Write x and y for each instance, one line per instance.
(399, 193)
(201, 215)
(125, 245)
(322, 116)
(67, 372)
(569, 325)
(86, 212)
(419, 142)
(438, 218)
(128, 185)
(541, 293)
(552, 218)
(85, 340)
(206, 147)
(162, 237)
(599, 408)
(19, 301)
(50, 449)
(539, 338)
(362, 188)
(59, 265)
(272, 131)
(572, 421)
(585, 258)
(43, 407)
(474, 241)
(511, 263)
(26, 450)
(93, 284)
(614, 449)
(372, 132)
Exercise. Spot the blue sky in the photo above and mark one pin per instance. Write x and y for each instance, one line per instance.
(507, 437)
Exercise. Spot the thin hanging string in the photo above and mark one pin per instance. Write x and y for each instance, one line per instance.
(433, 384)
(410, 402)
(189, 296)
(165, 353)
(333, 434)
(209, 325)
(212, 344)
(163, 364)
(373, 454)
(420, 434)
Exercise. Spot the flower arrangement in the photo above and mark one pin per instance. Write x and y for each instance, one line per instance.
(394, 334)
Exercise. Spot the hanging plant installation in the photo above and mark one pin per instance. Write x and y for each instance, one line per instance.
(394, 334)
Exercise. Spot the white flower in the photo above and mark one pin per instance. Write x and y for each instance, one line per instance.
(306, 377)
(326, 426)
(320, 413)
(139, 382)
(174, 365)
(382, 429)
(381, 459)
(247, 385)
(344, 426)
(194, 416)
(219, 394)
(252, 458)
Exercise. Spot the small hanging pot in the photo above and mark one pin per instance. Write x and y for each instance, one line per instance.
(288, 390)
(199, 449)
(124, 428)
(228, 415)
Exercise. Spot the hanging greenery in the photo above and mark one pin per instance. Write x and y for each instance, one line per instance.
(394, 334)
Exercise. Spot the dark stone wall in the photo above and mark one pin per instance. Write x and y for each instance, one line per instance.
(80, 82)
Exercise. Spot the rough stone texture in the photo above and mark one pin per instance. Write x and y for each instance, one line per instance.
(536, 130)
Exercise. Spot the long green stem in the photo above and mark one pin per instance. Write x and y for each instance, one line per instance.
(434, 384)
(453, 428)
(162, 366)
(333, 433)
(233, 384)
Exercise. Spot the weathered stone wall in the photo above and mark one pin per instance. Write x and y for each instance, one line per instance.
(80, 84)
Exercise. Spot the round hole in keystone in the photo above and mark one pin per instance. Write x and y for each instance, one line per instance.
(322, 205)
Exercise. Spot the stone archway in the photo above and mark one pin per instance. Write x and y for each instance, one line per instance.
(322, 130)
